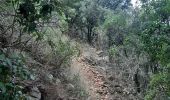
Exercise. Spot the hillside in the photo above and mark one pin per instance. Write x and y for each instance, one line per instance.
(84, 49)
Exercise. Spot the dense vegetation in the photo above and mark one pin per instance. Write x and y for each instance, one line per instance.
(136, 38)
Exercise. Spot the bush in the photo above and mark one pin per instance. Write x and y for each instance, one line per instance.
(12, 69)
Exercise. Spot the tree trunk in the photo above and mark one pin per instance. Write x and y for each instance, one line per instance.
(89, 34)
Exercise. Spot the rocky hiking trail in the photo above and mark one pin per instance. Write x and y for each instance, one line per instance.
(92, 74)
(99, 78)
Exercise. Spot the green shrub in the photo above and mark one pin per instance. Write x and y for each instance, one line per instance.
(157, 45)
(113, 51)
(12, 68)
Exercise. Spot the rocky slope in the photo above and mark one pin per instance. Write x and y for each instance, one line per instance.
(93, 69)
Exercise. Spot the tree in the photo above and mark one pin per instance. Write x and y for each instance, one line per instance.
(21, 18)
(114, 4)
(114, 24)
(92, 14)
(156, 43)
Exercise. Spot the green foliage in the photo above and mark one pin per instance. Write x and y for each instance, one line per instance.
(114, 20)
(155, 10)
(29, 12)
(115, 24)
(114, 4)
(161, 8)
(148, 34)
(61, 48)
(11, 68)
(146, 31)
(157, 46)
(156, 42)
(31, 15)
(159, 83)
(63, 23)
(150, 95)
(64, 49)
(113, 51)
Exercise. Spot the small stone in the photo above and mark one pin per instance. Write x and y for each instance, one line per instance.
(100, 53)
(118, 90)
(57, 81)
(126, 91)
(70, 86)
(111, 78)
(49, 77)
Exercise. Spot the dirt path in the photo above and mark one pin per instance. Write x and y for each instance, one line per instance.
(92, 79)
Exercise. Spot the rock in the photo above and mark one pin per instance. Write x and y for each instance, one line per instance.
(43, 92)
(117, 85)
(100, 92)
(102, 61)
(90, 60)
(100, 53)
(70, 86)
(111, 78)
(126, 91)
(49, 77)
(57, 81)
(118, 90)
(31, 98)
(34, 94)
